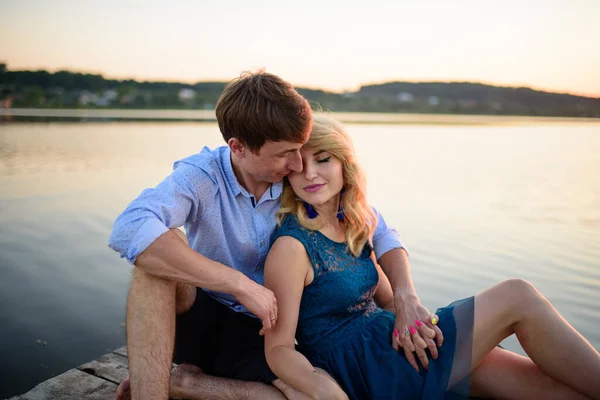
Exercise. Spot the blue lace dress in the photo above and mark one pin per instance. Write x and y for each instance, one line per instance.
(341, 329)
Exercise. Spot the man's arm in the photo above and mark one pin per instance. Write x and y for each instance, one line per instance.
(391, 255)
(396, 267)
(393, 259)
(384, 296)
(168, 257)
(141, 235)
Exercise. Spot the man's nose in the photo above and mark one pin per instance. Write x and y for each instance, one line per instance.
(296, 163)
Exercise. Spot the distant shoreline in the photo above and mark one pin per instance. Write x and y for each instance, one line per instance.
(169, 115)
(74, 90)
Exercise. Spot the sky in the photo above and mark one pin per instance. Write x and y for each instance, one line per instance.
(336, 45)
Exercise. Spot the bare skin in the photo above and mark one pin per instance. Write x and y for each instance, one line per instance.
(500, 312)
(190, 382)
(506, 375)
(169, 261)
(562, 363)
(152, 305)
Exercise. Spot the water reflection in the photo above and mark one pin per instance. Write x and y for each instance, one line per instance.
(475, 205)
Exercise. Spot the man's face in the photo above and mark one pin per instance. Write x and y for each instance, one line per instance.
(274, 161)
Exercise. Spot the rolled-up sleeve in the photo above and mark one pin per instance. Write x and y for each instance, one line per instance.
(385, 238)
(155, 211)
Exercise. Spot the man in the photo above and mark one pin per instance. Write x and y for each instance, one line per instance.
(199, 300)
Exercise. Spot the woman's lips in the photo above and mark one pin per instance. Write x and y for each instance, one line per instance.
(312, 188)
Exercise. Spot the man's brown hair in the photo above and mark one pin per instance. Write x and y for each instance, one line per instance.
(259, 107)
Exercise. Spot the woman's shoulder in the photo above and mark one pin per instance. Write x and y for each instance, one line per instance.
(290, 226)
(290, 221)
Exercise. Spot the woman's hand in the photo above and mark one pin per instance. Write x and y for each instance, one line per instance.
(415, 330)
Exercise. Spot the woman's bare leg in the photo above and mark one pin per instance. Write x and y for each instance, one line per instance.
(506, 375)
(515, 306)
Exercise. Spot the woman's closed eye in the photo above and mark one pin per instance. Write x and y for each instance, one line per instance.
(324, 160)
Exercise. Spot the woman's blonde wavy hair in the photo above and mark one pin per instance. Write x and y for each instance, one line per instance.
(328, 134)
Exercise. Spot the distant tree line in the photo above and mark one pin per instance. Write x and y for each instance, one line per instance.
(64, 89)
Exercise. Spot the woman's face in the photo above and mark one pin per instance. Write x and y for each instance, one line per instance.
(321, 179)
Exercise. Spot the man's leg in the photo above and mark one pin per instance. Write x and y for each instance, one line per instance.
(150, 335)
(151, 309)
(150, 338)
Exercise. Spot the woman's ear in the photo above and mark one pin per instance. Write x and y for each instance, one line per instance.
(237, 147)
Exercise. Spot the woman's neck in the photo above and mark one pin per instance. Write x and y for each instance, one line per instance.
(329, 209)
(332, 227)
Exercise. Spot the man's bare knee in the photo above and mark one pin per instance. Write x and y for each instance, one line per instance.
(185, 296)
(144, 282)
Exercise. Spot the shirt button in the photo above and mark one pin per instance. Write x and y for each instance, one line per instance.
(262, 243)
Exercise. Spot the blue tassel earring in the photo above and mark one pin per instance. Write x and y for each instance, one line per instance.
(340, 213)
(310, 211)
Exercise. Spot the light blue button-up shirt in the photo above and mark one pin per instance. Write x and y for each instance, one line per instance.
(221, 218)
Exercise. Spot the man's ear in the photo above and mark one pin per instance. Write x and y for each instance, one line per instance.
(237, 148)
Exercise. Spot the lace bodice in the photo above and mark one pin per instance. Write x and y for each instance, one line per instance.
(339, 301)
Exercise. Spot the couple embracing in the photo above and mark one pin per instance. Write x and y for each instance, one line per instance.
(288, 284)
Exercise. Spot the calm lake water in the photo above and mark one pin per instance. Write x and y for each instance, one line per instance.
(475, 205)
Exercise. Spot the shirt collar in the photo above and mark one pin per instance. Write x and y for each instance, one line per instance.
(275, 190)
(229, 174)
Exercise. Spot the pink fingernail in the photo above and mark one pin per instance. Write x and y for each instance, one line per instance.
(419, 323)
(413, 330)
(396, 332)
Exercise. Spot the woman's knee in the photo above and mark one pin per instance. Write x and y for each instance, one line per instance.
(521, 293)
(520, 287)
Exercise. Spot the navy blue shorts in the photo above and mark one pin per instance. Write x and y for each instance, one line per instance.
(221, 342)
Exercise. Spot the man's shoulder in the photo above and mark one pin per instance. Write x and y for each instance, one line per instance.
(207, 159)
(208, 162)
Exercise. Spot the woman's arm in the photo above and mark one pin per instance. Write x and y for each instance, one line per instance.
(287, 271)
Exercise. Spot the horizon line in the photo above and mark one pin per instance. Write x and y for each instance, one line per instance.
(156, 80)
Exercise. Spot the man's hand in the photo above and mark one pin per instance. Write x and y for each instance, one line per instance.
(260, 301)
(414, 332)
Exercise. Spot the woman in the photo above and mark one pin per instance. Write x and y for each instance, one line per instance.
(323, 273)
